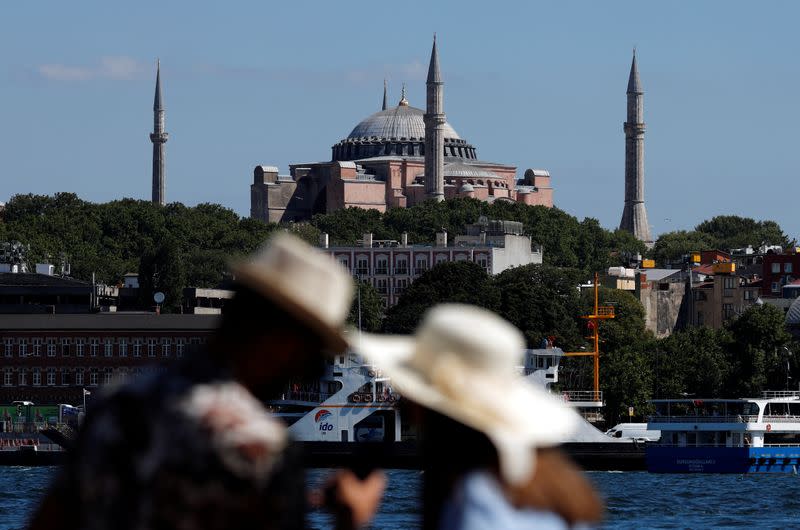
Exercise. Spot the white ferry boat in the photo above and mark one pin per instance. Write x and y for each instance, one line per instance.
(354, 402)
(753, 435)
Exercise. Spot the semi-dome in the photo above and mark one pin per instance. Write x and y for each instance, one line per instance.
(397, 131)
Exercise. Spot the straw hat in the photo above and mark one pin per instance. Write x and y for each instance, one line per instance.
(308, 284)
(463, 362)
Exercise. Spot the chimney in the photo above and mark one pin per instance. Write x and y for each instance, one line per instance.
(404, 239)
(441, 239)
(323, 240)
(483, 237)
(367, 240)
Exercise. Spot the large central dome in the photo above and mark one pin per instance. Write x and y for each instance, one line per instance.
(397, 131)
(402, 121)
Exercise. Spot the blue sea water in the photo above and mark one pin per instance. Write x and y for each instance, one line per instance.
(633, 499)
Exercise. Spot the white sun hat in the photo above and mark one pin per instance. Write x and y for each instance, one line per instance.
(308, 284)
(463, 362)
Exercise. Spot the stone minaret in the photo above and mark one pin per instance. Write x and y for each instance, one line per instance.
(434, 130)
(634, 216)
(159, 138)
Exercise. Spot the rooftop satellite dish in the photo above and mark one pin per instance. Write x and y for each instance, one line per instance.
(159, 297)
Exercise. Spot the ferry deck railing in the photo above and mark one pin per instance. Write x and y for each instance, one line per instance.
(771, 394)
(581, 395)
(737, 418)
(315, 397)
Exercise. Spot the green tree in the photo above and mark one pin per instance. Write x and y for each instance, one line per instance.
(757, 354)
(542, 301)
(732, 231)
(367, 308)
(670, 247)
(457, 282)
(162, 270)
(692, 362)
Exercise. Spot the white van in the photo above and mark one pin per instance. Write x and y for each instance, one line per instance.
(634, 431)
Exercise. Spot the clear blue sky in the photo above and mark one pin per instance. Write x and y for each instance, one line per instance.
(534, 84)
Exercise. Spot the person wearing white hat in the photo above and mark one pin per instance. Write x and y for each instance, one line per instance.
(194, 447)
(486, 433)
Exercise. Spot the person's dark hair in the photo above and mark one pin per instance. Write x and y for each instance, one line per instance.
(449, 451)
(250, 315)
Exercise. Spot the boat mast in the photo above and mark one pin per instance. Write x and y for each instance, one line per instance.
(599, 313)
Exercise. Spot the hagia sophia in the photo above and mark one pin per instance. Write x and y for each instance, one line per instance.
(397, 157)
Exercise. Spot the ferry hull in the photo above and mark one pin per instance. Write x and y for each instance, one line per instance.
(723, 459)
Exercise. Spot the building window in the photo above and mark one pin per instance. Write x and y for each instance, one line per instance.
(137, 347)
(37, 377)
(748, 295)
(382, 265)
(51, 347)
(194, 341)
(65, 347)
(421, 264)
(64, 377)
(51, 377)
(179, 346)
(79, 377)
(727, 310)
(401, 286)
(36, 347)
(8, 347)
(776, 268)
(93, 377)
(402, 266)
(776, 288)
(94, 345)
(79, 347)
(787, 267)
(108, 375)
(108, 347)
(165, 347)
(23, 377)
(441, 258)
(8, 377)
(344, 262)
(362, 267)
(23, 347)
(729, 282)
(381, 286)
(151, 347)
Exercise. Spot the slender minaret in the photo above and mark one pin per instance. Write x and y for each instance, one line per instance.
(159, 138)
(384, 95)
(634, 216)
(434, 130)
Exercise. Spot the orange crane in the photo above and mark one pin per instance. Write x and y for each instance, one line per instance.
(600, 313)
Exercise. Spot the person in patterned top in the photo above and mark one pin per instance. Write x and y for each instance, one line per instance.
(193, 447)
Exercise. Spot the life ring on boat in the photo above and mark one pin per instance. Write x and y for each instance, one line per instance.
(356, 398)
(769, 427)
(371, 373)
(392, 398)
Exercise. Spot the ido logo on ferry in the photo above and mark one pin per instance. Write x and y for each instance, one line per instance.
(321, 418)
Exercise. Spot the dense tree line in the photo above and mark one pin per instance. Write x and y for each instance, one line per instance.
(753, 353)
(723, 232)
(176, 246)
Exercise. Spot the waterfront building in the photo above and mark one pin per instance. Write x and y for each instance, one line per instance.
(779, 270)
(50, 359)
(391, 266)
(396, 157)
(634, 214)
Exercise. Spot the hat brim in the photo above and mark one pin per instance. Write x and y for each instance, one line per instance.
(272, 288)
(521, 416)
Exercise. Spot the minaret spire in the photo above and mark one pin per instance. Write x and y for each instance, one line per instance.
(159, 138)
(384, 95)
(634, 215)
(434, 129)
